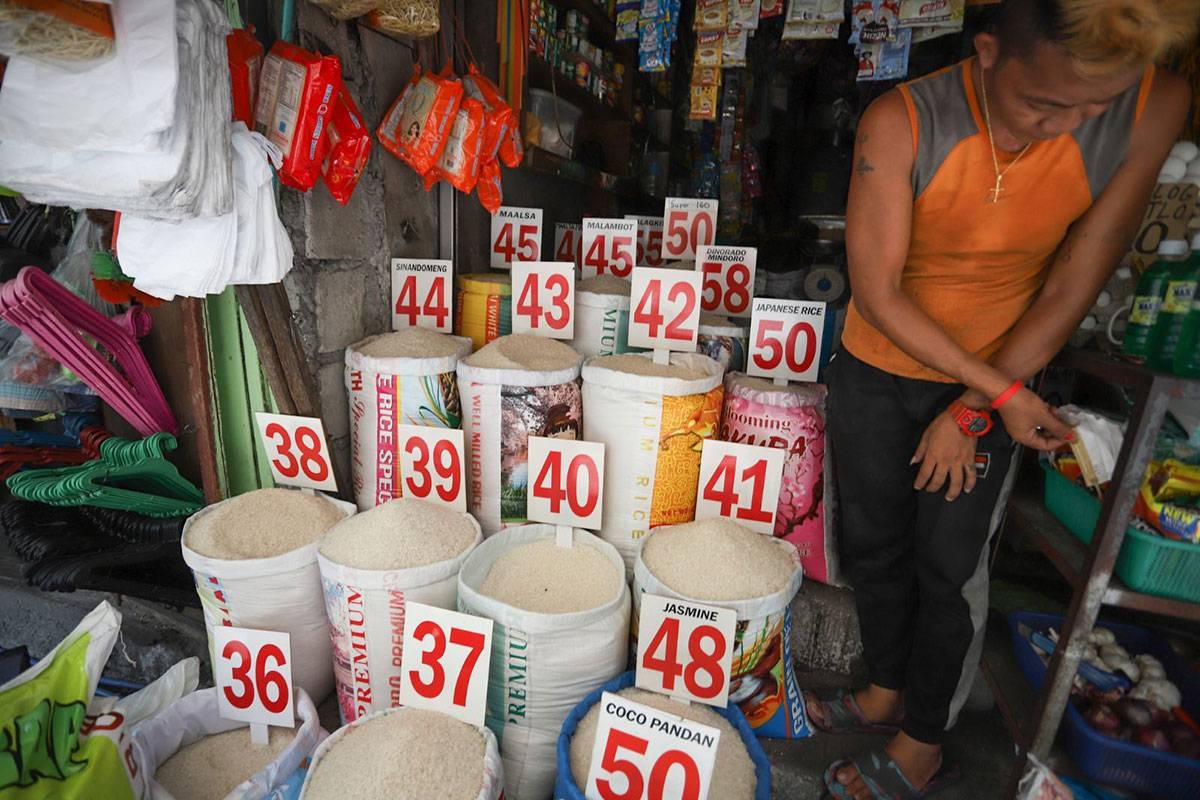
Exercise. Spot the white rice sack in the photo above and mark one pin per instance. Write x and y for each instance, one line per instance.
(544, 663)
(194, 754)
(515, 387)
(256, 567)
(652, 426)
(724, 340)
(602, 316)
(718, 562)
(401, 378)
(733, 776)
(406, 754)
(372, 565)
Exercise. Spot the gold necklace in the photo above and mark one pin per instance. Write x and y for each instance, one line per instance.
(995, 192)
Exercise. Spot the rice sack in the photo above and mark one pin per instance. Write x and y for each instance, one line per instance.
(724, 340)
(483, 307)
(602, 316)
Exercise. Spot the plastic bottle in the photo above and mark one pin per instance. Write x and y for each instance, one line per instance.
(1181, 289)
(1186, 361)
(1148, 297)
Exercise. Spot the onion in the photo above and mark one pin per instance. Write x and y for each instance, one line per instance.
(1111, 651)
(1101, 636)
(1153, 672)
(1152, 738)
(1102, 719)
(1162, 693)
(1133, 712)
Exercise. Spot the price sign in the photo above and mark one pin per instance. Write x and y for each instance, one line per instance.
(568, 482)
(446, 660)
(568, 242)
(685, 649)
(431, 465)
(544, 299)
(688, 224)
(516, 236)
(728, 278)
(740, 482)
(641, 752)
(785, 339)
(422, 294)
(649, 240)
(297, 450)
(253, 673)
(666, 309)
(609, 247)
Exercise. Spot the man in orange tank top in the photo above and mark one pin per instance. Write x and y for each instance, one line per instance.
(989, 204)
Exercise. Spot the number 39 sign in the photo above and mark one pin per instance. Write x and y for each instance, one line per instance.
(297, 451)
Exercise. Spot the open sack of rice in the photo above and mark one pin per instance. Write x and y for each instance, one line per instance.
(653, 420)
(741, 770)
(254, 558)
(401, 378)
(513, 388)
(372, 565)
(602, 316)
(561, 629)
(194, 754)
(406, 754)
(720, 563)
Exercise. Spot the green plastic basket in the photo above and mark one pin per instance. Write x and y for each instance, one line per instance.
(1148, 563)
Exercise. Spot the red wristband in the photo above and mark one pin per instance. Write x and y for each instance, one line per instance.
(1007, 394)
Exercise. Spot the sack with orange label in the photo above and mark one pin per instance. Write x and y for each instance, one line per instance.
(1170, 500)
(416, 127)
(295, 94)
(349, 147)
(458, 165)
(245, 64)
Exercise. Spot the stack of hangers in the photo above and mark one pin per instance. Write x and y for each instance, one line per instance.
(71, 331)
(129, 475)
(23, 449)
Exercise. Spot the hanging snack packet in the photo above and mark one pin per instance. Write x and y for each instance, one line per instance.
(245, 63)
(294, 94)
(488, 189)
(458, 164)
(500, 120)
(415, 128)
(350, 145)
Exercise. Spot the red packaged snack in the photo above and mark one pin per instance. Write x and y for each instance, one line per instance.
(488, 189)
(500, 119)
(349, 147)
(245, 63)
(417, 125)
(295, 93)
(459, 162)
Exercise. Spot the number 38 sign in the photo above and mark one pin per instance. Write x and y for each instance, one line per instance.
(297, 451)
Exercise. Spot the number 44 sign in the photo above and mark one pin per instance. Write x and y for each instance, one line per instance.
(297, 451)
(740, 482)
(447, 656)
(253, 673)
(420, 294)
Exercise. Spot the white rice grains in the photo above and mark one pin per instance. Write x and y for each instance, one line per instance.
(733, 776)
(400, 534)
(408, 754)
(410, 343)
(717, 559)
(262, 524)
(641, 365)
(523, 351)
(213, 766)
(605, 284)
(544, 578)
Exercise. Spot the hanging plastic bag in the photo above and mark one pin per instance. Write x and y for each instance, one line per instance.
(416, 127)
(293, 108)
(488, 188)
(350, 146)
(458, 164)
(245, 64)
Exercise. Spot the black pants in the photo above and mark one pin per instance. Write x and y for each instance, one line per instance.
(918, 563)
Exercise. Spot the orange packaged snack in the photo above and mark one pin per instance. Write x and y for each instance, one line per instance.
(349, 147)
(416, 127)
(295, 92)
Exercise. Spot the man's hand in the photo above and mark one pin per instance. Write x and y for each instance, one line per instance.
(1032, 422)
(947, 458)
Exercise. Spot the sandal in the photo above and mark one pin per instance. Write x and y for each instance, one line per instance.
(840, 713)
(884, 779)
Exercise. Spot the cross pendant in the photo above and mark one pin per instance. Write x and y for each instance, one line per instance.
(996, 191)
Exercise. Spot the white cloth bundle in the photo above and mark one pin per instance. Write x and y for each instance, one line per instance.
(131, 164)
(203, 255)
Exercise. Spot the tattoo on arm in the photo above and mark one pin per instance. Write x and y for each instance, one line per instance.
(864, 166)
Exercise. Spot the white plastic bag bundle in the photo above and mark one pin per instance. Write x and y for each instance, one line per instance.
(366, 615)
(543, 665)
(194, 716)
(384, 393)
(601, 324)
(653, 429)
(281, 593)
(502, 408)
(179, 171)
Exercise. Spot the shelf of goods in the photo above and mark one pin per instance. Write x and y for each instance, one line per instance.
(1088, 568)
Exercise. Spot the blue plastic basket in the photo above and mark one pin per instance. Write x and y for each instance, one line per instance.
(564, 785)
(1100, 758)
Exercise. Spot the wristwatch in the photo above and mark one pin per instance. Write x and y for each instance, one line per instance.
(971, 422)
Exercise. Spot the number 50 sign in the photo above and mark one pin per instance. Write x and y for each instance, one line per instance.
(785, 339)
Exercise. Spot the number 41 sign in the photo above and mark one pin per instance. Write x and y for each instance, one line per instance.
(740, 482)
